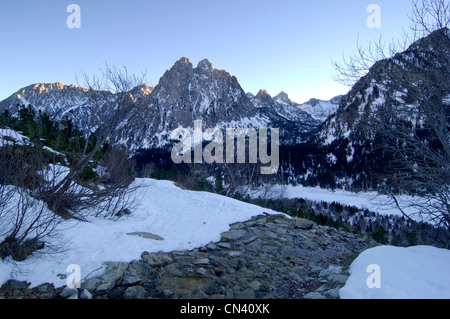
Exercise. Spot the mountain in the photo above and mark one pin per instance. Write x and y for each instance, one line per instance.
(346, 150)
(318, 109)
(184, 94)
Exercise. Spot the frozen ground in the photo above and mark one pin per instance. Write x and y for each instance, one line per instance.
(186, 220)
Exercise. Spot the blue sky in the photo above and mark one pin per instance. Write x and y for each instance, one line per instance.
(273, 45)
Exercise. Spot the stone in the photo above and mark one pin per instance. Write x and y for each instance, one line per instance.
(234, 234)
(12, 283)
(43, 288)
(156, 259)
(114, 273)
(135, 292)
(146, 235)
(68, 292)
(301, 223)
(235, 253)
(333, 293)
(92, 284)
(341, 279)
(202, 261)
(131, 276)
(313, 295)
(255, 285)
(272, 259)
(85, 294)
(211, 246)
(173, 270)
(201, 271)
(224, 245)
(246, 294)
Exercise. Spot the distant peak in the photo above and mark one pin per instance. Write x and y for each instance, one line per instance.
(283, 99)
(262, 93)
(184, 60)
(205, 65)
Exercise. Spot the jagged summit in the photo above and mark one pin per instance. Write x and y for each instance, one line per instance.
(183, 94)
(205, 65)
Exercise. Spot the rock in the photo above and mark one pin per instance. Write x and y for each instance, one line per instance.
(146, 235)
(224, 245)
(211, 246)
(173, 270)
(234, 253)
(16, 284)
(301, 223)
(114, 273)
(255, 285)
(85, 294)
(131, 276)
(91, 284)
(313, 295)
(157, 259)
(333, 293)
(233, 234)
(202, 261)
(201, 271)
(266, 257)
(246, 294)
(331, 270)
(341, 279)
(135, 292)
(43, 288)
(68, 292)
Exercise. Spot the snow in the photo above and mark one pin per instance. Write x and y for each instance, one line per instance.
(418, 272)
(372, 201)
(10, 137)
(187, 220)
(184, 219)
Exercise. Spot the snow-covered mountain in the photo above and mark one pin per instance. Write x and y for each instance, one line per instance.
(320, 110)
(184, 94)
(346, 151)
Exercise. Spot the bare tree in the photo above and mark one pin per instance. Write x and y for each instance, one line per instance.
(110, 101)
(413, 123)
(26, 224)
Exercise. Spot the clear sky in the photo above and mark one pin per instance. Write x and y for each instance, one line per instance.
(276, 45)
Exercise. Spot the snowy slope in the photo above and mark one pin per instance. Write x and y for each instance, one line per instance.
(184, 219)
(419, 272)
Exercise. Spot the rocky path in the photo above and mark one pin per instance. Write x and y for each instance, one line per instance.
(269, 256)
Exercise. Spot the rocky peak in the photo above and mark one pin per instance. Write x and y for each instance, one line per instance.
(283, 99)
(205, 65)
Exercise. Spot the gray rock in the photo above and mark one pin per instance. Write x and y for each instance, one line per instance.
(234, 253)
(255, 285)
(333, 293)
(224, 245)
(313, 295)
(234, 234)
(202, 261)
(201, 271)
(92, 284)
(69, 292)
(246, 294)
(211, 246)
(131, 276)
(341, 279)
(146, 235)
(135, 292)
(301, 223)
(12, 283)
(156, 259)
(173, 270)
(85, 294)
(114, 273)
(331, 270)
